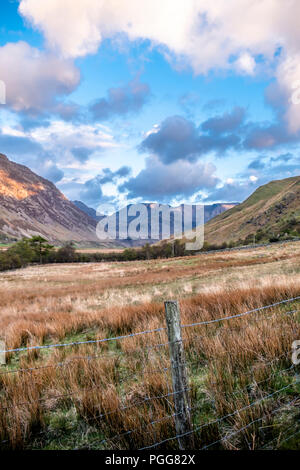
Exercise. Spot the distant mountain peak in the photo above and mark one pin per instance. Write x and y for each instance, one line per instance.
(210, 211)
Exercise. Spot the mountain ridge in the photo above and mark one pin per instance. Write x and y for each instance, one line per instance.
(269, 210)
(210, 210)
(32, 205)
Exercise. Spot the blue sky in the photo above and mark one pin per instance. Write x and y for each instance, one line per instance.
(150, 101)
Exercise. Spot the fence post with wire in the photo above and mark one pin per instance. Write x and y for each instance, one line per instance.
(102, 379)
(183, 423)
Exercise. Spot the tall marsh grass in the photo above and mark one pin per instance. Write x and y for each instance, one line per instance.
(83, 396)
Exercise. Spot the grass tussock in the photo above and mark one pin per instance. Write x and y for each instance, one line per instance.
(117, 394)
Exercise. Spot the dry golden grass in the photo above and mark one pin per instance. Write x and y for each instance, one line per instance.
(69, 401)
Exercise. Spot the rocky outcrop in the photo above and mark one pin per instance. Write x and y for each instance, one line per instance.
(31, 205)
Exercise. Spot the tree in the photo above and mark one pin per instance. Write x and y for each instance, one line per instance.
(67, 253)
(24, 250)
(129, 254)
(41, 247)
(147, 251)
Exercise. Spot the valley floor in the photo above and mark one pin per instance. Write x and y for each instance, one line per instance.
(84, 287)
(78, 302)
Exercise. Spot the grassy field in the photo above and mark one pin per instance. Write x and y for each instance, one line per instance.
(82, 396)
(99, 250)
(4, 246)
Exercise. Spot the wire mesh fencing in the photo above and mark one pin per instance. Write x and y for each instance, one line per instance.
(240, 387)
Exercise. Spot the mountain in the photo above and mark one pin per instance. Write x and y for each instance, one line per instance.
(210, 211)
(128, 242)
(31, 205)
(88, 210)
(273, 210)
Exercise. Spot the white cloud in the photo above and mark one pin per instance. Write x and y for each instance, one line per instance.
(68, 135)
(33, 78)
(288, 75)
(222, 34)
(61, 146)
(181, 178)
(65, 135)
(154, 130)
(77, 27)
(253, 178)
(246, 64)
(209, 34)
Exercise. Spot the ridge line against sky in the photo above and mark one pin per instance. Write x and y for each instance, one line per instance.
(144, 100)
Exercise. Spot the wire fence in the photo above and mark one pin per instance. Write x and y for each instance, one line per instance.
(248, 247)
(242, 390)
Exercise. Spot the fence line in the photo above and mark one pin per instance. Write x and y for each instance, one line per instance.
(76, 343)
(278, 437)
(171, 394)
(208, 322)
(66, 395)
(290, 437)
(156, 330)
(247, 247)
(219, 419)
(123, 353)
(240, 430)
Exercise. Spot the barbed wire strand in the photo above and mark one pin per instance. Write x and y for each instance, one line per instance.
(243, 428)
(161, 370)
(290, 437)
(259, 309)
(112, 354)
(130, 376)
(277, 438)
(60, 345)
(220, 419)
(75, 343)
(127, 407)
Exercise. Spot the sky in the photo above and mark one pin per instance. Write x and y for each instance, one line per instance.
(135, 100)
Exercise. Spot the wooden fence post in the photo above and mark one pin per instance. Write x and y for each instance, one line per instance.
(183, 422)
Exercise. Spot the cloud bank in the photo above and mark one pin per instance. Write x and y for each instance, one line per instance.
(162, 182)
(35, 79)
(240, 35)
(121, 101)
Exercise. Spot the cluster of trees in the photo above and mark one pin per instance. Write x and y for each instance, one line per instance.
(161, 250)
(32, 251)
(37, 250)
